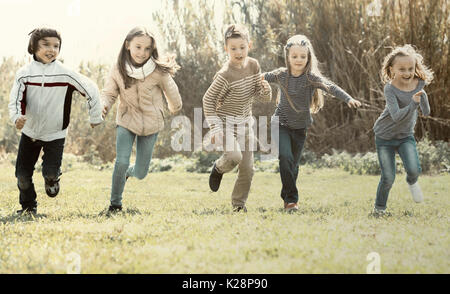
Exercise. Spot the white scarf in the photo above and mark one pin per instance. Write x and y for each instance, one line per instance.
(140, 73)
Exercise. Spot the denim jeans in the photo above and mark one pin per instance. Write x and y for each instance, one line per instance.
(122, 168)
(27, 156)
(386, 149)
(291, 142)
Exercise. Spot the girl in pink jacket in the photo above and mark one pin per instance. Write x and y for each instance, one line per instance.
(139, 79)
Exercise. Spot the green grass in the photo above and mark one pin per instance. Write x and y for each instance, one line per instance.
(173, 224)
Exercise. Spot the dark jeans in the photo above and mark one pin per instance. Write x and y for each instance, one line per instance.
(290, 146)
(27, 157)
(386, 150)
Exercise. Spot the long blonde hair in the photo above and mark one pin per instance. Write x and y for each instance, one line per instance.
(311, 69)
(421, 71)
(165, 63)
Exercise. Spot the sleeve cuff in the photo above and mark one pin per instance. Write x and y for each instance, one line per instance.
(14, 118)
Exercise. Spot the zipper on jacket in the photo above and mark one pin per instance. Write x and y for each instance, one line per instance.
(40, 98)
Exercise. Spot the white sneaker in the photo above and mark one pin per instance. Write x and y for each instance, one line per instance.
(416, 192)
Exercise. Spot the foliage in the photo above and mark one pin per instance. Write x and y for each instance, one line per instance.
(433, 159)
(350, 39)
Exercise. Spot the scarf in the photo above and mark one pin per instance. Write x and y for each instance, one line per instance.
(140, 73)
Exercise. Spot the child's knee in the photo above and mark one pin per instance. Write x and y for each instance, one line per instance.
(285, 158)
(235, 157)
(24, 183)
(122, 163)
(140, 175)
(388, 179)
(412, 175)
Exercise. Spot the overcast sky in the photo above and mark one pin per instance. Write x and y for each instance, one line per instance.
(90, 29)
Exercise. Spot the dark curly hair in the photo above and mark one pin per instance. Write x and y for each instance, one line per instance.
(39, 34)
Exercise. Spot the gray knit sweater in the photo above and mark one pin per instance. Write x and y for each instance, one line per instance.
(400, 114)
(301, 90)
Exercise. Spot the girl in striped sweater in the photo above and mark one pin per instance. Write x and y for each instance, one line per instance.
(301, 84)
(228, 107)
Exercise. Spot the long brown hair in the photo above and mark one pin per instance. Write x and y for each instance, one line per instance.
(311, 69)
(166, 63)
(421, 70)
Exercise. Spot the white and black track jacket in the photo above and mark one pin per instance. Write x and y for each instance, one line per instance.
(43, 93)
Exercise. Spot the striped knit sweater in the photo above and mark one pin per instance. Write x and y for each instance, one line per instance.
(230, 97)
(301, 90)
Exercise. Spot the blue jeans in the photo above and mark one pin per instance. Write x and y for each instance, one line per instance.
(27, 157)
(386, 149)
(122, 168)
(290, 146)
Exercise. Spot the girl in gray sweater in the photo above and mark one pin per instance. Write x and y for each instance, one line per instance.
(301, 85)
(405, 76)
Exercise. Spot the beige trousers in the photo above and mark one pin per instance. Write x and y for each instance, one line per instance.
(240, 154)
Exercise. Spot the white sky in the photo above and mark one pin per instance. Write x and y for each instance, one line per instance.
(91, 30)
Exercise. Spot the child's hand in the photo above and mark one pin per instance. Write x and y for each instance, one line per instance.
(94, 125)
(416, 97)
(353, 103)
(104, 112)
(20, 122)
(265, 85)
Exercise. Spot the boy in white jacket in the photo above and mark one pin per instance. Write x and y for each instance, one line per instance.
(40, 103)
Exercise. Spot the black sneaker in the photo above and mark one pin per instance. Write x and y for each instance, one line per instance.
(214, 179)
(52, 188)
(114, 208)
(28, 211)
(239, 208)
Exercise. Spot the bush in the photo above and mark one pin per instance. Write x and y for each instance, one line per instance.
(433, 159)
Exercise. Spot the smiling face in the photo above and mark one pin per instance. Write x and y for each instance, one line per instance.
(237, 50)
(140, 48)
(48, 49)
(403, 70)
(298, 59)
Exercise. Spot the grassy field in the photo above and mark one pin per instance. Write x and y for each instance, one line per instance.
(173, 224)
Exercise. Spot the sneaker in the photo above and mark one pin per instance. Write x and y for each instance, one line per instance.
(214, 179)
(239, 208)
(379, 212)
(28, 211)
(52, 188)
(416, 192)
(291, 207)
(114, 208)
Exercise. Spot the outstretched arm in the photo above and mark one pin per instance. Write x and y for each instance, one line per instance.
(89, 90)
